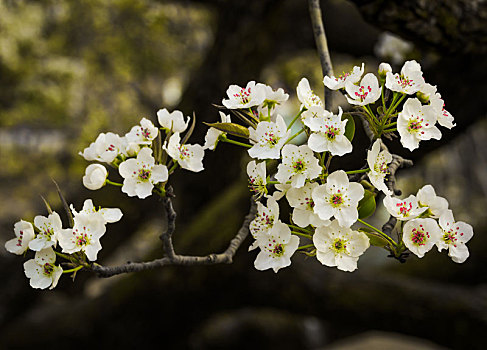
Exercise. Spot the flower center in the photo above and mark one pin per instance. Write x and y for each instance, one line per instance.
(256, 185)
(110, 148)
(278, 250)
(404, 209)
(48, 269)
(298, 166)
(419, 236)
(336, 200)
(342, 77)
(271, 139)
(363, 92)
(339, 246)
(243, 96)
(82, 240)
(145, 133)
(331, 132)
(144, 174)
(415, 124)
(404, 81)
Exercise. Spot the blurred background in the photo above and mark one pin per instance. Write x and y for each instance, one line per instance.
(72, 69)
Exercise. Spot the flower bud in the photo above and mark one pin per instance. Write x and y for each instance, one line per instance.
(95, 176)
(384, 68)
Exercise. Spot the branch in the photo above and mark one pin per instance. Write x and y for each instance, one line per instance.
(174, 259)
(321, 43)
(398, 162)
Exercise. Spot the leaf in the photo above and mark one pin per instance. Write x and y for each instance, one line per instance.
(231, 128)
(48, 207)
(350, 127)
(65, 204)
(366, 207)
(190, 131)
(250, 122)
(374, 238)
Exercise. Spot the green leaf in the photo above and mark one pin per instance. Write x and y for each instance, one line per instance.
(231, 128)
(48, 207)
(374, 238)
(190, 131)
(350, 127)
(366, 207)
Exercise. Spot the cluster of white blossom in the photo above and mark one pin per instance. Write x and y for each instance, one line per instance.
(141, 163)
(77, 243)
(325, 205)
(428, 222)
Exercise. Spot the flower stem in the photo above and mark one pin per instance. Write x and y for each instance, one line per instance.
(113, 183)
(298, 228)
(272, 182)
(175, 165)
(306, 246)
(67, 257)
(390, 130)
(225, 139)
(73, 270)
(386, 237)
(357, 171)
(292, 137)
(390, 124)
(296, 118)
(301, 234)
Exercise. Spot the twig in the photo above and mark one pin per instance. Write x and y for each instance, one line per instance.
(398, 162)
(321, 43)
(223, 258)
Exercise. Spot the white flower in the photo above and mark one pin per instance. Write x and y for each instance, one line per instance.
(339, 246)
(140, 174)
(403, 209)
(173, 121)
(50, 228)
(95, 176)
(455, 235)
(105, 148)
(24, 233)
(84, 236)
(338, 198)
(281, 190)
(257, 177)
(365, 92)
(272, 100)
(298, 164)
(427, 198)
(420, 235)
(108, 215)
(142, 134)
(384, 68)
(265, 219)
(315, 112)
(42, 271)
(335, 83)
(189, 157)
(415, 123)
(409, 81)
(306, 95)
(302, 202)
(378, 161)
(212, 135)
(276, 249)
(252, 95)
(268, 139)
(444, 117)
(329, 135)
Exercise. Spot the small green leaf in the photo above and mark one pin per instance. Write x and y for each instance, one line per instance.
(231, 128)
(374, 238)
(366, 207)
(350, 127)
(48, 207)
(190, 131)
